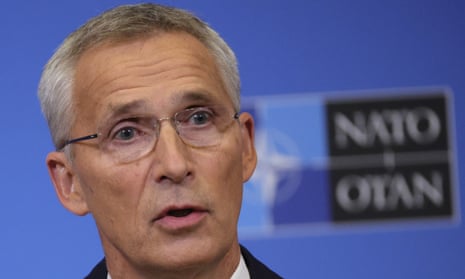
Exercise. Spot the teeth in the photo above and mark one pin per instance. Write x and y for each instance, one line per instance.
(180, 213)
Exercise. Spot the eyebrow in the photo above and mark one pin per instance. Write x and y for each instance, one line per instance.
(126, 108)
(137, 105)
(195, 96)
(116, 110)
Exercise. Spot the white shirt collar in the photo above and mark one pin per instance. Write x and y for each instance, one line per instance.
(241, 272)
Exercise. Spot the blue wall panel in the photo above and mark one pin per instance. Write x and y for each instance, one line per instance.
(284, 47)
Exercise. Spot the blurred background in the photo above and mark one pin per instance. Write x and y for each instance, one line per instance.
(310, 57)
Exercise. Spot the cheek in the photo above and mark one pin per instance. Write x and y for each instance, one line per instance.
(225, 171)
(111, 189)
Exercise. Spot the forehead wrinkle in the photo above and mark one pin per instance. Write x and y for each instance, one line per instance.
(116, 77)
(180, 66)
(131, 64)
(112, 78)
(164, 59)
(126, 108)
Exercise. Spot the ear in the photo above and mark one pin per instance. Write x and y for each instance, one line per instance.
(66, 184)
(249, 154)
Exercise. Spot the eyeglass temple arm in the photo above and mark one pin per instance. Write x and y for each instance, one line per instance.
(88, 137)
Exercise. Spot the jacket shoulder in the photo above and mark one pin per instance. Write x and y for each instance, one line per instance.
(99, 271)
(257, 269)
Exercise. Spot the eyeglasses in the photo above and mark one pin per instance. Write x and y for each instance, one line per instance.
(134, 137)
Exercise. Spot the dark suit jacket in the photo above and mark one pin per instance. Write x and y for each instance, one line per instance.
(257, 270)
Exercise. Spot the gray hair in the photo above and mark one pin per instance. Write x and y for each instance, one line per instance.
(123, 23)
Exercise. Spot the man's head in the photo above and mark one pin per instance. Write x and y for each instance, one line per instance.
(123, 24)
(162, 174)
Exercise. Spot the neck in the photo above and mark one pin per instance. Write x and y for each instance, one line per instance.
(223, 266)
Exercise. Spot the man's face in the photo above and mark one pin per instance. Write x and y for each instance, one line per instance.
(140, 207)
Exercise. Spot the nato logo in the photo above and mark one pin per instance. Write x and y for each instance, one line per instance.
(327, 158)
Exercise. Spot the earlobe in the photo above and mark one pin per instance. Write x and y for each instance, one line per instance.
(66, 184)
(249, 154)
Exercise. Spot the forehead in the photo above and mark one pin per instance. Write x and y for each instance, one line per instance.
(161, 70)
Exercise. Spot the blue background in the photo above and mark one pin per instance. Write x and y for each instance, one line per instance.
(313, 46)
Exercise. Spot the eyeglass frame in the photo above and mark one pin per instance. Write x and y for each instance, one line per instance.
(172, 119)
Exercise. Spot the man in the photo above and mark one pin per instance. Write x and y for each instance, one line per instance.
(143, 108)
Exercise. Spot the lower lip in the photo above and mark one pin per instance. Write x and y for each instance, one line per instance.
(172, 223)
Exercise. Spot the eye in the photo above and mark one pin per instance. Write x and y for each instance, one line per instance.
(129, 130)
(125, 133)
(200, 117)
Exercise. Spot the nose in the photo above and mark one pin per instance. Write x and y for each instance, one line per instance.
(171, 156)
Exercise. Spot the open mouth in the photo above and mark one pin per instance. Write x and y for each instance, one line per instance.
(180, 212)
(176, 219)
